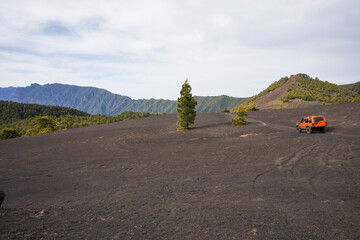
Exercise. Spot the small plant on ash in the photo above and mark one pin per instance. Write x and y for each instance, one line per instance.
(240, 120)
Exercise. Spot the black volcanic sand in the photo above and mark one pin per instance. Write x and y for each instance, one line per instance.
(341, 118)
(142, 179)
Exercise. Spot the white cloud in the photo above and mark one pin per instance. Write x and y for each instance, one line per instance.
(221, 21)
(147, 49)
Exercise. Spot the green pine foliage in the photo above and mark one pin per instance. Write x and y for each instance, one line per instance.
(186, 107)
(18, 119)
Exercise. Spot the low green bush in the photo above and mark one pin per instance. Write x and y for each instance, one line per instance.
(241, 112)
(239, 121)
(8, 133)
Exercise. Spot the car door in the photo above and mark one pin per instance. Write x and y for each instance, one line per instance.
(304, 123)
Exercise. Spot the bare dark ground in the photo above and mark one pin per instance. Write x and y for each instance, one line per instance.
(142, 179)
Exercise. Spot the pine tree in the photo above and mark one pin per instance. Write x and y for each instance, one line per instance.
(186, 107)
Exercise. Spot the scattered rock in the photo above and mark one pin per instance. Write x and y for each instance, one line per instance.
(40, 214)
(253, 231)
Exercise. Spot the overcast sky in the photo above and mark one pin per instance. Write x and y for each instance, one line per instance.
(147, 49)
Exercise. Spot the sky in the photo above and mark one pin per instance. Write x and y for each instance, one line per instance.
(147, 49)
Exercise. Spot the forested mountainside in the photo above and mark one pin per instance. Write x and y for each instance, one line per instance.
(11, 111)
(99, 101)
(353, 87)
(21, 119)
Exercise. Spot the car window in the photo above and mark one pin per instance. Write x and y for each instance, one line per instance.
(318, 119)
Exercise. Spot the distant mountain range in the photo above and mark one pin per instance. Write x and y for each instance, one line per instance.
(99, 101)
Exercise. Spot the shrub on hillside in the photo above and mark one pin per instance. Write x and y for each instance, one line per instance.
(9, 133)
(46, 122)
(241, 112)
(31, 131)
(252, 107)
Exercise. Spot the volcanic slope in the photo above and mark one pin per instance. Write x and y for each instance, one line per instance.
(142, 179)
(302, 91)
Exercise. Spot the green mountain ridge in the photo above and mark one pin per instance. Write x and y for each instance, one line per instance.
(352, 86)
(99, 101)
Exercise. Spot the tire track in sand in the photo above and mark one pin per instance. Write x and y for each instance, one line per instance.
(286, 164)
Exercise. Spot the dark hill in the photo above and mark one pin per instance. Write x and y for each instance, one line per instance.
(99, 101)
(10, 111)
(24, 119)
(301, 91)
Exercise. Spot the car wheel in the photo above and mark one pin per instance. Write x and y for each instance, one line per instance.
(309, 130)
(322, 130)
(298, 129)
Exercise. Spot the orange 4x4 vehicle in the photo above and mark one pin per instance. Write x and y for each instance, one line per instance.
(312, 123)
